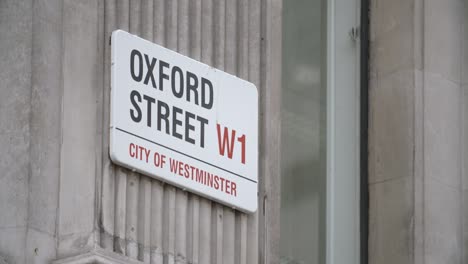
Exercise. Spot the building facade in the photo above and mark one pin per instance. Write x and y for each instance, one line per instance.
(362, 144)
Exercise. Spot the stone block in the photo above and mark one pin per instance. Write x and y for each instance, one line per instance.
(40, 247)
(390, 226)
(78, 149)
(391, 126)
(464, 121)
(393, 51)
(97, 256)
(14, 161)
(443, 37)
(15, 59)
(49, 10)
(464, 57)
(45, 121)
(465, 225)
(442, 223)
(373, 18)
(74, 244)
(442, 130)
(12, 245)
(390, 15)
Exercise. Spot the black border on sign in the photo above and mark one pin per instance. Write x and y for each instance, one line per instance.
(364, 133)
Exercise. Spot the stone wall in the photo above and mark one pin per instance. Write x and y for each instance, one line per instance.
(417, 134)
(60, 196)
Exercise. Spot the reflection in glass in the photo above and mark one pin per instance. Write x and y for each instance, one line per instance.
(303, 194)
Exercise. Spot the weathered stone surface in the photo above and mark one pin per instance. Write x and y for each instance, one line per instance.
(443, 37)
(15, 96)
(430, 144)
(45, 119)
(12, 244)
(391, 126)
(442, 130)
(392, 51)
(464, 205)
(443, 223)
(390, 15)
(2, 261)
(40, 247)
(390, 225)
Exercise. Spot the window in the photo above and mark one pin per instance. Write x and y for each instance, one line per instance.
(320, 133)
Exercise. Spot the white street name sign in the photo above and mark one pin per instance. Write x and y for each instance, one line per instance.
(183, 122)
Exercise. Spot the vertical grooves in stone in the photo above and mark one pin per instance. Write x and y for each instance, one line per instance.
(156, 222)
(219, 8)
(169, 221)
(261, 129)
(242, 38)
(157, 188)
(120, 211)
(205, 231)
(123, 10)
(135, 17)
(147, 10)
(207, 29)
(181, 226)
(123, 14)
(144, 218)
(216, 233)
(107, 216)
(241, 238)
(193, 229)
(170, 191)
(181, 195)
(145, 192)
(131, 223)
(228, 240)
(230, 35)
(100, 109)
(254, 18)
(133, 179)
(169, 224)
(195, 14)
(183, 37)
(159, 22)
(171, 24)
(206, 56)
(230, 66)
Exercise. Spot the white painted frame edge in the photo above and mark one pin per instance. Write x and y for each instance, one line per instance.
(343, 134)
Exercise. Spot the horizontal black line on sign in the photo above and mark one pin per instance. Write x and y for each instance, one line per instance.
(166, 147)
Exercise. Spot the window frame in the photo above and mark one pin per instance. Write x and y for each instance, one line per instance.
(347, 220)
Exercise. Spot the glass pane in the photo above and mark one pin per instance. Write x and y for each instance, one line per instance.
(303, 195)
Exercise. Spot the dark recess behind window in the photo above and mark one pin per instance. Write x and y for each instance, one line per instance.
(364, 61)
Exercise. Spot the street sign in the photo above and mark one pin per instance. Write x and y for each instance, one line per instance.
(183, 122)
